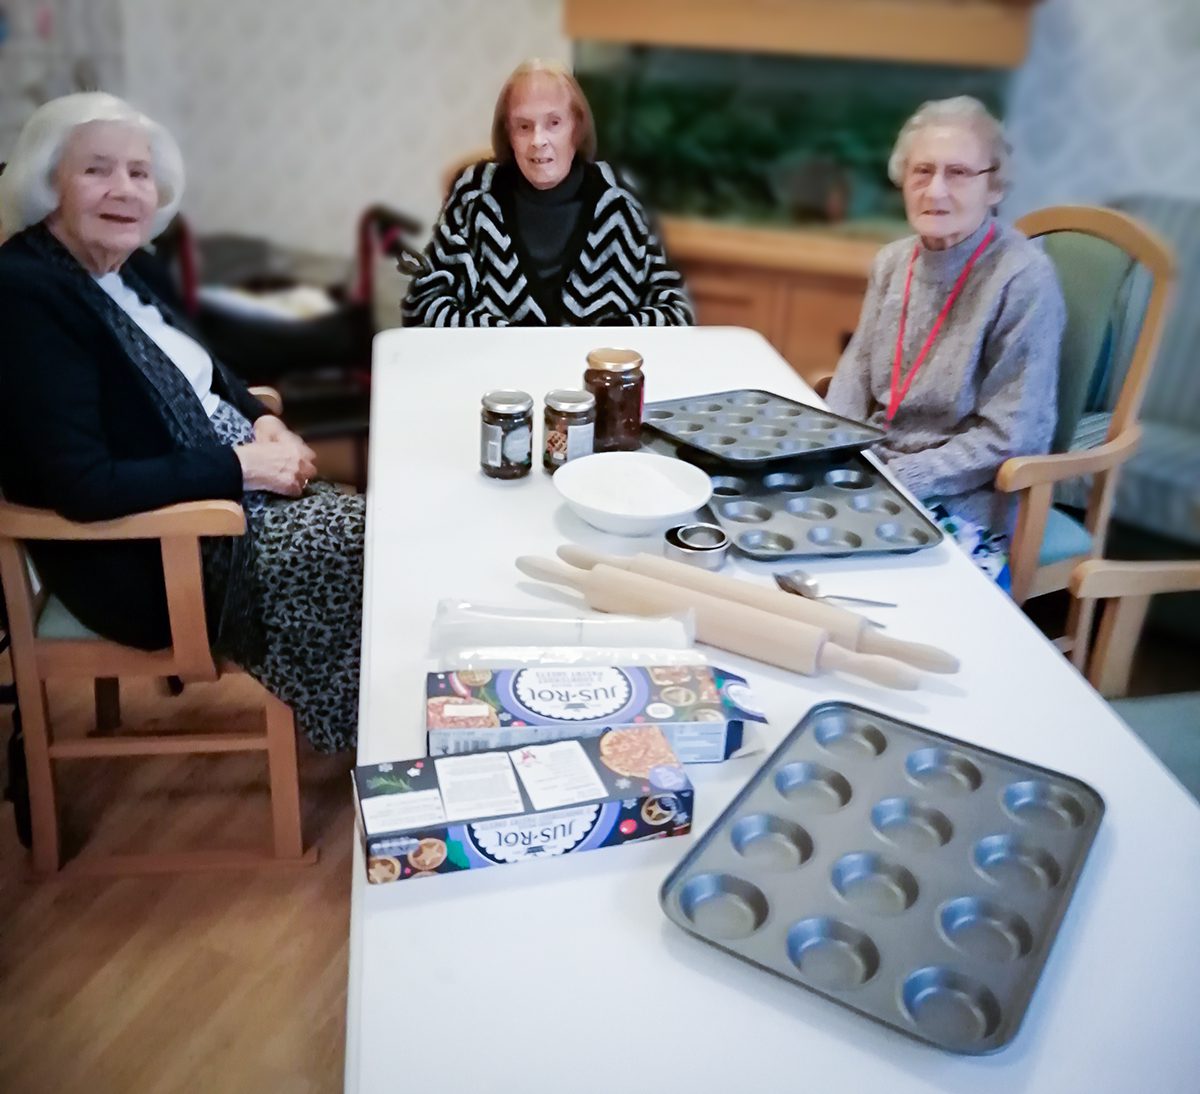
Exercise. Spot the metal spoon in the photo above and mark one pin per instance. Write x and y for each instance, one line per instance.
(803, 583)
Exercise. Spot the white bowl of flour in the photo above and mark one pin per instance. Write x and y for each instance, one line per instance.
(632, 493)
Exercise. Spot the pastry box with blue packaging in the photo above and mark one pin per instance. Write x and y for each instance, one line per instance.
(439, 815)
(701, 709)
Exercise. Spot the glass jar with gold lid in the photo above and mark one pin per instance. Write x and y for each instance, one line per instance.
(615, 378)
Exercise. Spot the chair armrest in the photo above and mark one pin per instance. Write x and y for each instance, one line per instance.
(1128, 587)
(1101, 579)
(1022, 472)
(189, 518)
(270, 398)
(178, 529)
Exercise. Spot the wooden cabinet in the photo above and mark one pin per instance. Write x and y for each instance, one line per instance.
(819, 316)
(982, 33)
(801, 290)
(727, 298)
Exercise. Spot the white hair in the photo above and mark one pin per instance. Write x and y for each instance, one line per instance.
(967, 113)
(28, 193)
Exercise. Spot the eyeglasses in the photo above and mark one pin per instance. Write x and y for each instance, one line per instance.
(921, 175)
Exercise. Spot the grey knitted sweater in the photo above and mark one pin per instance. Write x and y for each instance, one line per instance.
(987, 388)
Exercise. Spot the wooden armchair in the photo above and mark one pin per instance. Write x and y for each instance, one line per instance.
(1168, 724)
(1128, 587)
(48, 643)
(1094, 250)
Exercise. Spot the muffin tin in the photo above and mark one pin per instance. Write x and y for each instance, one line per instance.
(818, 507)
(908, 876)
(808, 506)
(749, 427)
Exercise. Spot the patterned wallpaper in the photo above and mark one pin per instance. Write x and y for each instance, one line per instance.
(295, 116)
(51, 47)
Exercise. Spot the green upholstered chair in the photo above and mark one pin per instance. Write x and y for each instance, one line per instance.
(1159, 489)
(1094, 251)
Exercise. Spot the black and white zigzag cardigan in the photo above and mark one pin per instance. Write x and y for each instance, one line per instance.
(477, 273)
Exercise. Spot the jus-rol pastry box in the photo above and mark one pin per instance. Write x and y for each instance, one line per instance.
(438, 815)
(701, 709)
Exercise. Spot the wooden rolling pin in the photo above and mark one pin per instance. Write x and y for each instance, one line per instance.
(846, 628)
(788, 643)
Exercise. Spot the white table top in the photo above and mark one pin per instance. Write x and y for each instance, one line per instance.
(564, 975)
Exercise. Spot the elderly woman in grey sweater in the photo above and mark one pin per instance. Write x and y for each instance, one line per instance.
(956, 351)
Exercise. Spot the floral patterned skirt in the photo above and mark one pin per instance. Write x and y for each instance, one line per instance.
(987, 549)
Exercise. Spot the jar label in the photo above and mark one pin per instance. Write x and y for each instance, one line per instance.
(580, 440)
(492, 438)
(518, 445)
(557, 452)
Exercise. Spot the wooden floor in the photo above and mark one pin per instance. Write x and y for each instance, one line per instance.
(224, 983)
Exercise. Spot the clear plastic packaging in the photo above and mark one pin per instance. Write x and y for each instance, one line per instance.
(468, 635)
(461, 623)
(515, 657)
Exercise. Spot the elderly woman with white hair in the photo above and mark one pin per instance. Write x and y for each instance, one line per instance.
(544, 234)
(109, 405)
(956, 350)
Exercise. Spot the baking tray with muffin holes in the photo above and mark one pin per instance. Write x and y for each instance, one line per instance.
(749, 427)
(911, 877)
(818, 507)
(827, 507)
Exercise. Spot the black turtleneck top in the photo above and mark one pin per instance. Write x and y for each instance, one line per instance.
(546, 220)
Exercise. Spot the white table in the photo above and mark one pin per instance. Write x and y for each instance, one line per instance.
(564, 976)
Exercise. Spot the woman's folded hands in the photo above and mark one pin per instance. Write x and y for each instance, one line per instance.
(277, 460)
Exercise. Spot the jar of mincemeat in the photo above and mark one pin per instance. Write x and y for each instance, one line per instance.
(570, 427)
(506, 435)
(615, 378)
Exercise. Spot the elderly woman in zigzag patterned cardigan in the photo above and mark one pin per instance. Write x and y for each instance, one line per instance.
(544, 235)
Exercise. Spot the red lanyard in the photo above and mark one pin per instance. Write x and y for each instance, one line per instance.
(900, 390)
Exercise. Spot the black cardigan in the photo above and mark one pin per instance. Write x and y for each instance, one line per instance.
(80, 433)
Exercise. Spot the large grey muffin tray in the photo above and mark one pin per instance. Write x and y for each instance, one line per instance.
(817, 507)
(749, 427)
(908, 876)
(808, 506)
